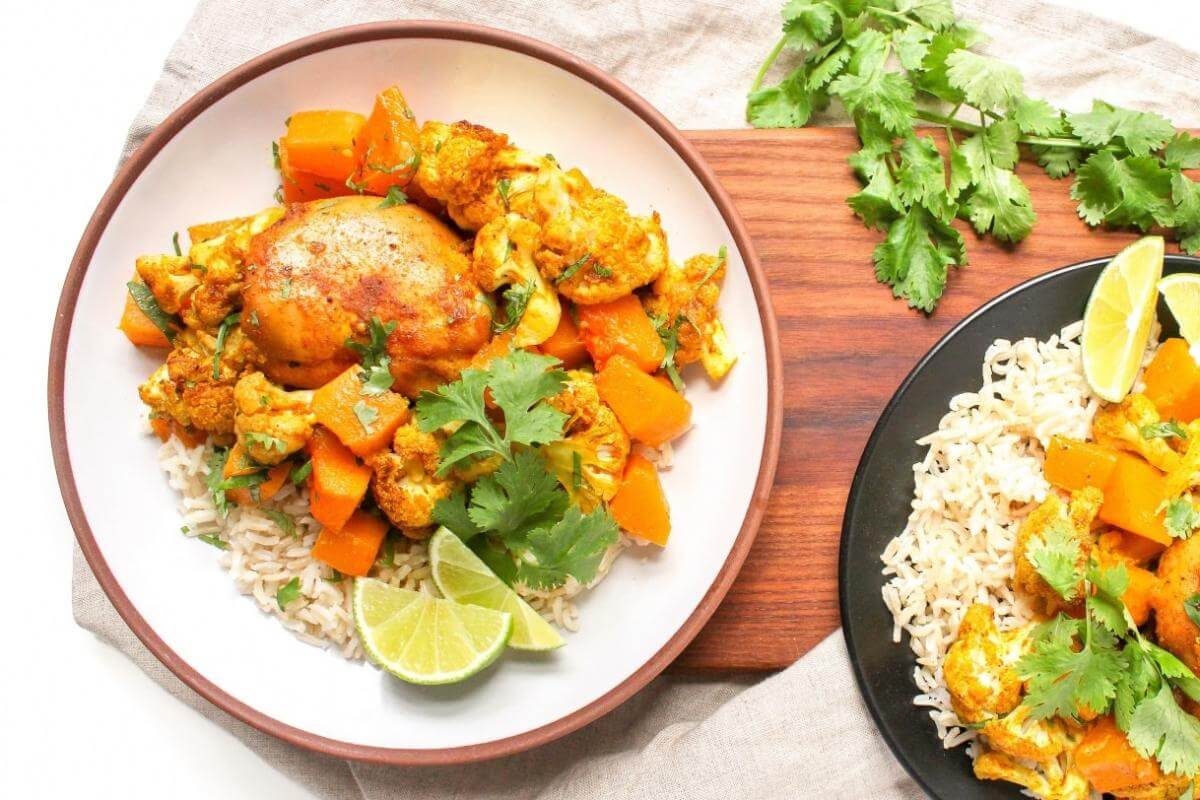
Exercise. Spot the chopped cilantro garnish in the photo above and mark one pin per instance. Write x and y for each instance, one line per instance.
(286, 291)
(376, 374)
(223, 334)
(175, 243)
(669, 333)
(722, 257)
(570, 271)
(1191, 607)
(502, 187)
(215, 477)
(601, 271)
(144, 299)
(275, 154)
(285, 523)
(365, 414)
(214, 540)
(300, 473)
(516, 300)
(1181, 518)
(1164, 430)
(265, 440)
(288, 593)
(576, 470)
(395, 197)
(1056, 557)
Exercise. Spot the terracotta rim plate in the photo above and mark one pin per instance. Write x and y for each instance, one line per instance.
(93, 488)
(880, 499)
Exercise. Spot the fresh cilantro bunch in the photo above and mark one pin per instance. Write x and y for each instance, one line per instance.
(1102, 664)
(376, 372)
(892, 63)
(518, 518)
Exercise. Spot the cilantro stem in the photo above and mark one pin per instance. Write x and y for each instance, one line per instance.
(766, 65)
(902, 18)
(967, 127)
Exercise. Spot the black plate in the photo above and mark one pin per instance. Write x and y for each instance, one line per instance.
(880, 499)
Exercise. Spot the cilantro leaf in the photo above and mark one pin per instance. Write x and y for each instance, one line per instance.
(366, 415)
(395, 197)
(519, 497)
(912, 45)
(1122, 191)
(516, 300)
(916, 256)
(887, 95)
(1159, 728)
(1035, 116)
(668, 332)
(215, 477)
(223, 334)
(266, 441)
(1138, 679)
(1000, 204)
(1063, 680)
(1104, 604)
(1181, 519)
(452, 512)
(1163, 430)
(144, 299)
(806, 23)
(986, 82)
(300, 473)
(1183, 151)
(1140, 132)
(1056, 557)
(497, 558)
(574, 547)
(921, 178)
(937, 14)
(876, 203)
(822, 72)
(1191, 607)
(288, 593)
(1185, 216)
(376, 374)
(214, 540)
(285, 523)
(788, 104)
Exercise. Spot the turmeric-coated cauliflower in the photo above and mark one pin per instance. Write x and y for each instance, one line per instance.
(217, 255)
(1186, 474)
(1120, 425)
(1053, 518)
(590, 460)
(271, 423)
(1047, 780)
(504, 257)
(462, 166)
(595, 251)
(185, 389)
(685, 299)
(980, 667)
(170, 279)
(1167, 787)
(405, 483)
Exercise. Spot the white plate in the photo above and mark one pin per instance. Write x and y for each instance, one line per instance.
(211, 160)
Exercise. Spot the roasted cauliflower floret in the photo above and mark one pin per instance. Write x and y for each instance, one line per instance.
(979, 667)
(271, 423)
(685, 299)
(170, 279)
(405, 483)
(1048, 781)
(504, 257)
(1021, 737)
(217, 255)
(185, 389)
(1186, 475)
(1120, 425)
(1053, 518)
(608, 251)
(590, 460)
(459, 168)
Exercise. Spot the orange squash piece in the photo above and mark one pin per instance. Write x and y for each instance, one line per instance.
(621, 327)
(1132, 498)
(300, 186)
(339, 480)
(565, 343)
(138, 328)
(1173, 382)
(388, 144)
(238, 464)
(323, 143)
(353, 549)
(650, 411)
(1108, 760)
(1130, 546)
(334, 405)
(639, 506)
(1074, 465)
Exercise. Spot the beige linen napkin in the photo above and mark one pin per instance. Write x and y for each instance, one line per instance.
(710, 738)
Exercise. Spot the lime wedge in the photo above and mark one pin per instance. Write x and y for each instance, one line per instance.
(464, 578)
(1119, 315)
(424, 639)
(1182, 293)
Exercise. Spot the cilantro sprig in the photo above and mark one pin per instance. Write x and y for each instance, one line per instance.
(895, 63)
(144, 299)
(1102, 663)
(1181, 518)
(1163, 430)
(376, 372)
(519, 518)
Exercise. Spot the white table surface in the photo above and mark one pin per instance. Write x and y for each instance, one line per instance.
(76, 717)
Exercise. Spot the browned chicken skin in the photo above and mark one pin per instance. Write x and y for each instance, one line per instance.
(317, 277)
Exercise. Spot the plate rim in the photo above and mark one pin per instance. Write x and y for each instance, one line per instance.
(856, 487)
(132, 168)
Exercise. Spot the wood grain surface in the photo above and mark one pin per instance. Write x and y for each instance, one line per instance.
(846, 346)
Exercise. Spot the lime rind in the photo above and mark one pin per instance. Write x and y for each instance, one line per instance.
(463, 577)
(423, 639)
(1181, 292)
(1119, 317)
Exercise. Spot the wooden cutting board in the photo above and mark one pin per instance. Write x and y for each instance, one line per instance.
(846, 346)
